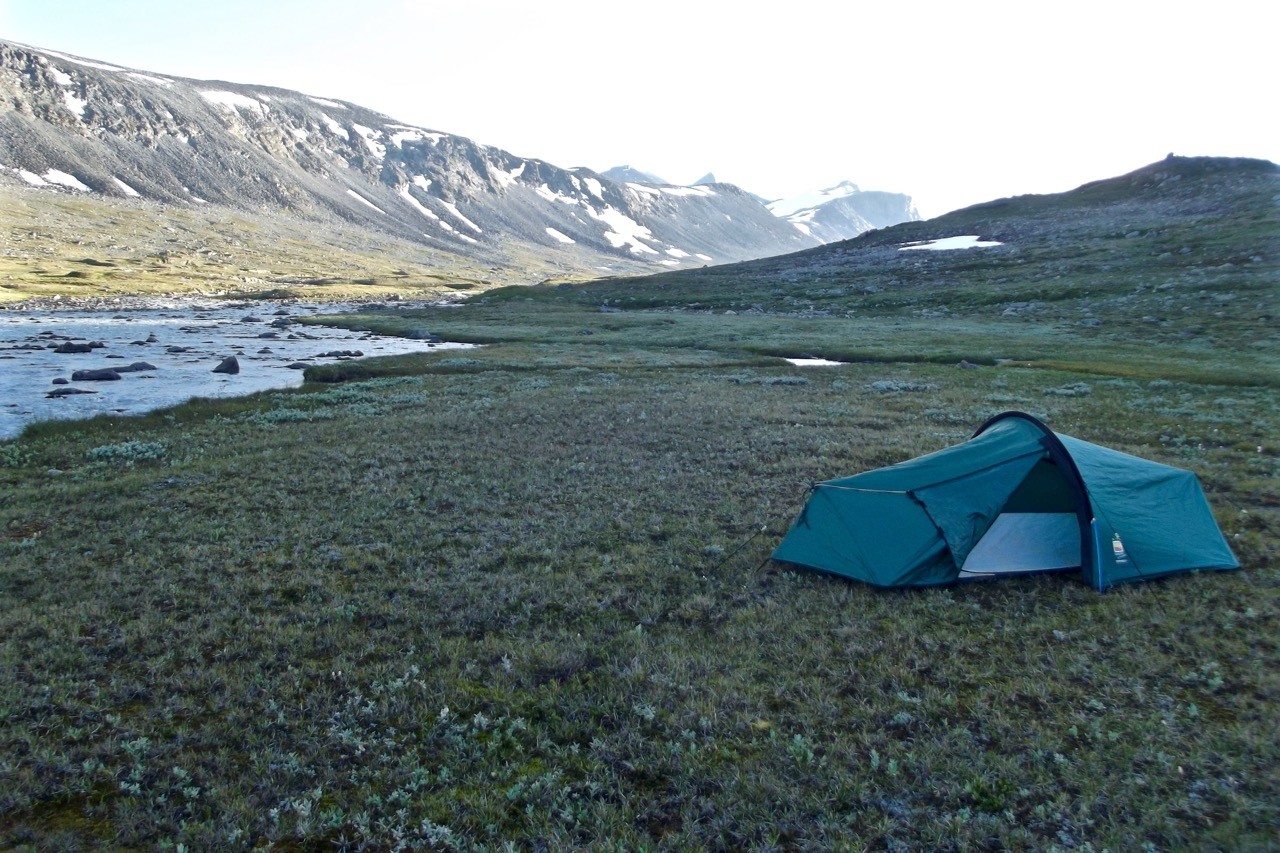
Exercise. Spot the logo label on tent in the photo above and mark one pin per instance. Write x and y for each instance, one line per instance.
(1117, 547)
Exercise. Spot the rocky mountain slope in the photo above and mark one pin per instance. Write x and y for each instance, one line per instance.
(844, 211)
(72, 125)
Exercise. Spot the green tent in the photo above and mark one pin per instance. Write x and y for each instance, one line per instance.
(1013, 499)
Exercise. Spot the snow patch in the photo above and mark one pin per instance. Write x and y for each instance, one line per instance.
(563, 238)
(551, 195)
(322, 102)
(59, 76)
(400, 138)
(624, 231)
(300, 134)
(468, 239)
(54, 176)
(642, 189)
(365, 201)
(964, 241)
(126, 189)
(670, 263)
(417, 205)
(334, 128)
(76, 105)
(704, 257)
(506, 179)
(594, 187)
(422, 182)
(677, 253)
(453, 208)
(408, 133)
(232, 101)
(32, 178)
(369, 135)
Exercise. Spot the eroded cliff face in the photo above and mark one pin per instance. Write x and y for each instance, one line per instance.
(76, 125)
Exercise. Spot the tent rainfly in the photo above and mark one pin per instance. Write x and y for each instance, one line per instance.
(1015, 498)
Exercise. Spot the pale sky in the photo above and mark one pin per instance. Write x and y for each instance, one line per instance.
(953, 103)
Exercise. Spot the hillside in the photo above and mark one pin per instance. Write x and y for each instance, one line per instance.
(1186, 250)
(71, 126)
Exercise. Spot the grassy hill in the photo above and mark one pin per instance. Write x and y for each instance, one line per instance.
(517, 596)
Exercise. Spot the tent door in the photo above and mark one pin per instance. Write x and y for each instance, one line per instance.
(1021, 542)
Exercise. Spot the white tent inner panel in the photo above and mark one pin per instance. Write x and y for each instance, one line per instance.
(1026, 542)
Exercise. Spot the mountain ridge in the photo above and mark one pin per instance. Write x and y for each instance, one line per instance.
(77, 125)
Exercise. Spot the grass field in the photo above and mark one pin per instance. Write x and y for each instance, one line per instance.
(518, 598)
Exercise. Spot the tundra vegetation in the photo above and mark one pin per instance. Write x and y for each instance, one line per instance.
(517, 598)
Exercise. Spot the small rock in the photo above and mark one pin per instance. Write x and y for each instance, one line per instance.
(967, 365)
(137, 367)
(60, 381)
(53, 472)
(268, 335)
(1090, 321)
(249, 318)
(69, 347)
(68, 392)
(230, 365)
(297, 365)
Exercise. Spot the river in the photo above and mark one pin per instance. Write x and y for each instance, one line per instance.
(182, 340)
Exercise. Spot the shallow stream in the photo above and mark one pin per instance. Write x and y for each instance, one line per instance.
(183, 341)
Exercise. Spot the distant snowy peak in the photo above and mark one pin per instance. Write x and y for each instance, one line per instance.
(843, 211)
(708, 178)
(631, 175)
(785, 207)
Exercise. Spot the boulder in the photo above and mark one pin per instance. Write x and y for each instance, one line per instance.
(60, 381)
(68, 392)
(69, 347)
(136, 367)
(230, 365)
(298, 365)
(102, 375)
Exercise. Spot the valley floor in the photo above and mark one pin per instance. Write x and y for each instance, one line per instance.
(518, 595)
